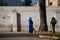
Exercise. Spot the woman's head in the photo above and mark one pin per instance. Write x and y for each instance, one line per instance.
(30, 18)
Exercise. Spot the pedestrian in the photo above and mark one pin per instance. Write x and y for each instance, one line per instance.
(53, 23)
(30, 25)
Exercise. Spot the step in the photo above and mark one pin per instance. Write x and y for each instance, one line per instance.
(18, 34)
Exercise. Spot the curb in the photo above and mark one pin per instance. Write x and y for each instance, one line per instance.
(49, 37)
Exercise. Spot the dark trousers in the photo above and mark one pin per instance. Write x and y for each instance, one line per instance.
(53, 28)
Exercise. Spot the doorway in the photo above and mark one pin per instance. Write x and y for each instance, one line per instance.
(18, 22)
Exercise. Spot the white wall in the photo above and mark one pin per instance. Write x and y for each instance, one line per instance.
(25, 12)
(52, 12)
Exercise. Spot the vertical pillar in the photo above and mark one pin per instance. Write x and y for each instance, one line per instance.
(11, 25)
(47, 2)
(14, 20)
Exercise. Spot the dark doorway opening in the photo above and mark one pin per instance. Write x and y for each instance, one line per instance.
(18, 22)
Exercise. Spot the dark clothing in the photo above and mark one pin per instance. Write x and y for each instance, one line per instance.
(30, 26)
(53, 22)
(54, 29)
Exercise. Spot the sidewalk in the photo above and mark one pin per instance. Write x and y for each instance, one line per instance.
(37, 32)
(18, 34)
(13, 32)
(27, 34)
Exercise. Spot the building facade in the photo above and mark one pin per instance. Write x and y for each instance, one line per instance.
(10, 15)
(16, 17)
(53, 2)
(53, 12)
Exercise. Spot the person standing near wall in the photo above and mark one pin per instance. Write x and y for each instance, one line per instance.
(30, 25)
(53, 22)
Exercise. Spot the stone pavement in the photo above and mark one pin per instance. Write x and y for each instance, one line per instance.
(22, 35)
(10, 34)
(26, 33)
(18, 34)
(23, 38)
(42, 32)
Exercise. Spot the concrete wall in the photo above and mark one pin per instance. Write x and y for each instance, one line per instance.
(54, 2)
(25, 12)
(53, 12)
(5, 20)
